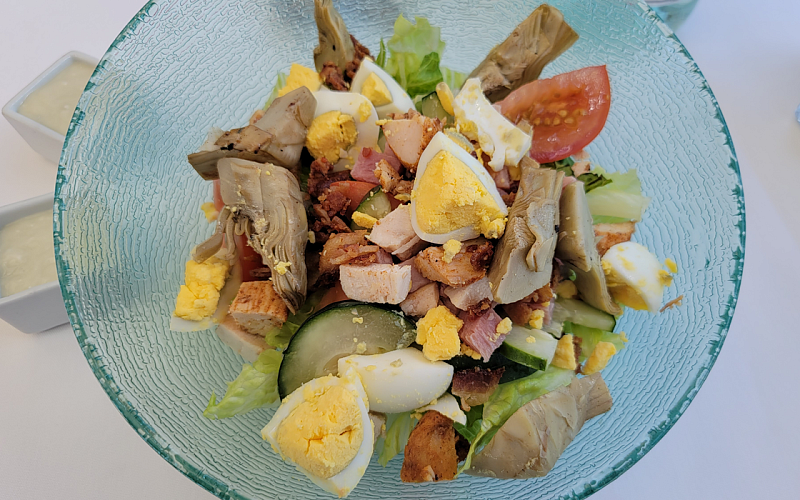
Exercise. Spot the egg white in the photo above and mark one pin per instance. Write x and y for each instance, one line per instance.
(401, 102)
(403, 386)
(447, 405)
(633, 264)
(344, 482)
(441, 142)
(348, 103)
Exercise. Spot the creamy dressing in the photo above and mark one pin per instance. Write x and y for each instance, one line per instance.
(53, 103)
(27, 256)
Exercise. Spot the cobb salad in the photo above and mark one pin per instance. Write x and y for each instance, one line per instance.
(419, 261)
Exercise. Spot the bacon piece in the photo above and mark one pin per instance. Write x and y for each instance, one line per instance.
(430, 454)
(480, 254)
(321, 177)
(323, 225)
(334, 202)
(540, 300)
(364, 167)
(480, 332)
(475, 386)
(332, 77)
(360, 53)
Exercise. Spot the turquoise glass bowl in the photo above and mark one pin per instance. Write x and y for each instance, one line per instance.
(127, 216)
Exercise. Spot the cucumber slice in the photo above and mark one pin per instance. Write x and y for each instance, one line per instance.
(432, 108)
(537, 354)
(375, 204)
(580, 313)
(330, 334)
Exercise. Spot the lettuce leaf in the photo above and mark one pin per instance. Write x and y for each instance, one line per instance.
(622, 199)
(398, 430)
(472, 428)
(454, 79)
(280, 82)
(280, 337)
(510, 397)
(590, 337)
(426, 77)
(256, 386)
(591, 180)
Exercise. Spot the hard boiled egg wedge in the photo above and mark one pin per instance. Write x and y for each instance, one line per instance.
(634, 276)
(401, 380)
(447, 405)
(454, 197)
(381, 89)
(344, 122)
(477, 119)
(324, 428)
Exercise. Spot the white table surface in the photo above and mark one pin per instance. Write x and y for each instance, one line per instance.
(60, 436)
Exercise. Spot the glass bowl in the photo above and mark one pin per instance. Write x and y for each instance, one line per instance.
(127, 215)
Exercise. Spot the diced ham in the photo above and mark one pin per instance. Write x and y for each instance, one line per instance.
(364, 168)
(419, 302)
(381, 283)
(408, 135)
(475, 386)
(394, 230)
(464, 297)
(417, 279)
(480, 333)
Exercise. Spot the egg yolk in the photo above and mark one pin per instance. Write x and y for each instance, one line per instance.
(300, 76)
(437, 333)
(565, 354)
(329, 134)
(450, 196)
(376, 91)
(599, 358)
(323, 433)
(198, 298)
(451, 249)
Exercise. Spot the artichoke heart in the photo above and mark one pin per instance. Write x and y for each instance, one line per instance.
(576, 248)
(335, 44)
(523, 259)
(539, 39)
(264, 202)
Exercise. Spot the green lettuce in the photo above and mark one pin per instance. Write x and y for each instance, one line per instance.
(256, 386)
(591, 180)
(413, 55)
(622, 199)
(280, 336)
(590, 337)
(510, 397)
(398, 430)
(473, 426)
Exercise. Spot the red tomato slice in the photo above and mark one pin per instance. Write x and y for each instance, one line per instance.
(355, 190)
(218, 204)
(566, 111)
(249, 259)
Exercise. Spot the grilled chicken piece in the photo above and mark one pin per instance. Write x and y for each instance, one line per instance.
(609, 234)
(245, 344)
(381, 283)
(408, 135)
(539, 39)
(419, 302)
(576, 248)
(523, 260)
(417, 279)
(464, 297)
(463, 270)
(394, 230)
(350, 248)
(430, 454)
(258, 308)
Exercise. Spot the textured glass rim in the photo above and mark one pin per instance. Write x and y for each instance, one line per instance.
(219, 487)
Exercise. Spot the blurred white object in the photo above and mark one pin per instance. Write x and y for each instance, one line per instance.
(41, 307)
(673, 12)
(44, 140)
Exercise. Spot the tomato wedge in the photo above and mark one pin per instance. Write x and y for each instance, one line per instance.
(355, 190)
(249, 259)
(566, 111)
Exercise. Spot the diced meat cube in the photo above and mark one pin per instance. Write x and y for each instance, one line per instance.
(480, 333)
(502, 178)
(409, 135)
(430, 454)
(609, 234)
(258, 308)
(413, 247)
(474, 387)
(462, 270)
(394, 230)
(419, 302)
(246, 344)
(464, 297)
(364, 167)
(381, 283)
(417, 279)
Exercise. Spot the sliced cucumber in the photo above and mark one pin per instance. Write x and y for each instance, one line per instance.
(580, 313)
(590, 337)
(339, 330)
(375, 204)
(533, 348)
(431, 107)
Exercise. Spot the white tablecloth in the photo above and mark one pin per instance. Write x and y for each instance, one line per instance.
(60, 436)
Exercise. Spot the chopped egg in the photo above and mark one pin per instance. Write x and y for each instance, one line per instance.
(210, 211)
(198, 298)
(381, 89)
(344, 122)
(402, 380)
(364, 220)
(454, 196)
(565, 354)
(469, 352)
(634, 276)
(537, 319)
(300, 76)
(599, 358)
(476, 118)
(437, 333)
(447, 405)
(324, 429)
(671, 265)
(504, 326)
(282, 267)
(445, 96)
(451, 249)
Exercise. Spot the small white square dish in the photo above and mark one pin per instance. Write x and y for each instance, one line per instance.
(41, 111)
(41, 307)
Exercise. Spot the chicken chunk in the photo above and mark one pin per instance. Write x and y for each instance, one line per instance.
(246, 344)
(419, 302)
(430, 454)
(258, 308)
(393, 231)
(466, 267)
(609, 234)
(381, 283)
(408, 135)
(464, 297)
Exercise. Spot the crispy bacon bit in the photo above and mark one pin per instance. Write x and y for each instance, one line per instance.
(607, 235)
(480, 308)
(475, 386)
(672, 303)
(321, 177)
(352, 67)
(509, 198)
(576, 345)
(480, 256)
(323, 225)
(334, 202)
(430, 454)
(260, 274)
(332, 77)
(521, 312)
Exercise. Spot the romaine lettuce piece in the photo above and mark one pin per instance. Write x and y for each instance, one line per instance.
(621, 199)
(256, 386)
(398, 430)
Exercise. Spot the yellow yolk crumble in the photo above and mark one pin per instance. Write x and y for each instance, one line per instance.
(437, 333)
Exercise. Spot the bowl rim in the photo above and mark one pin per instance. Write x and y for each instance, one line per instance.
(218, 486)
